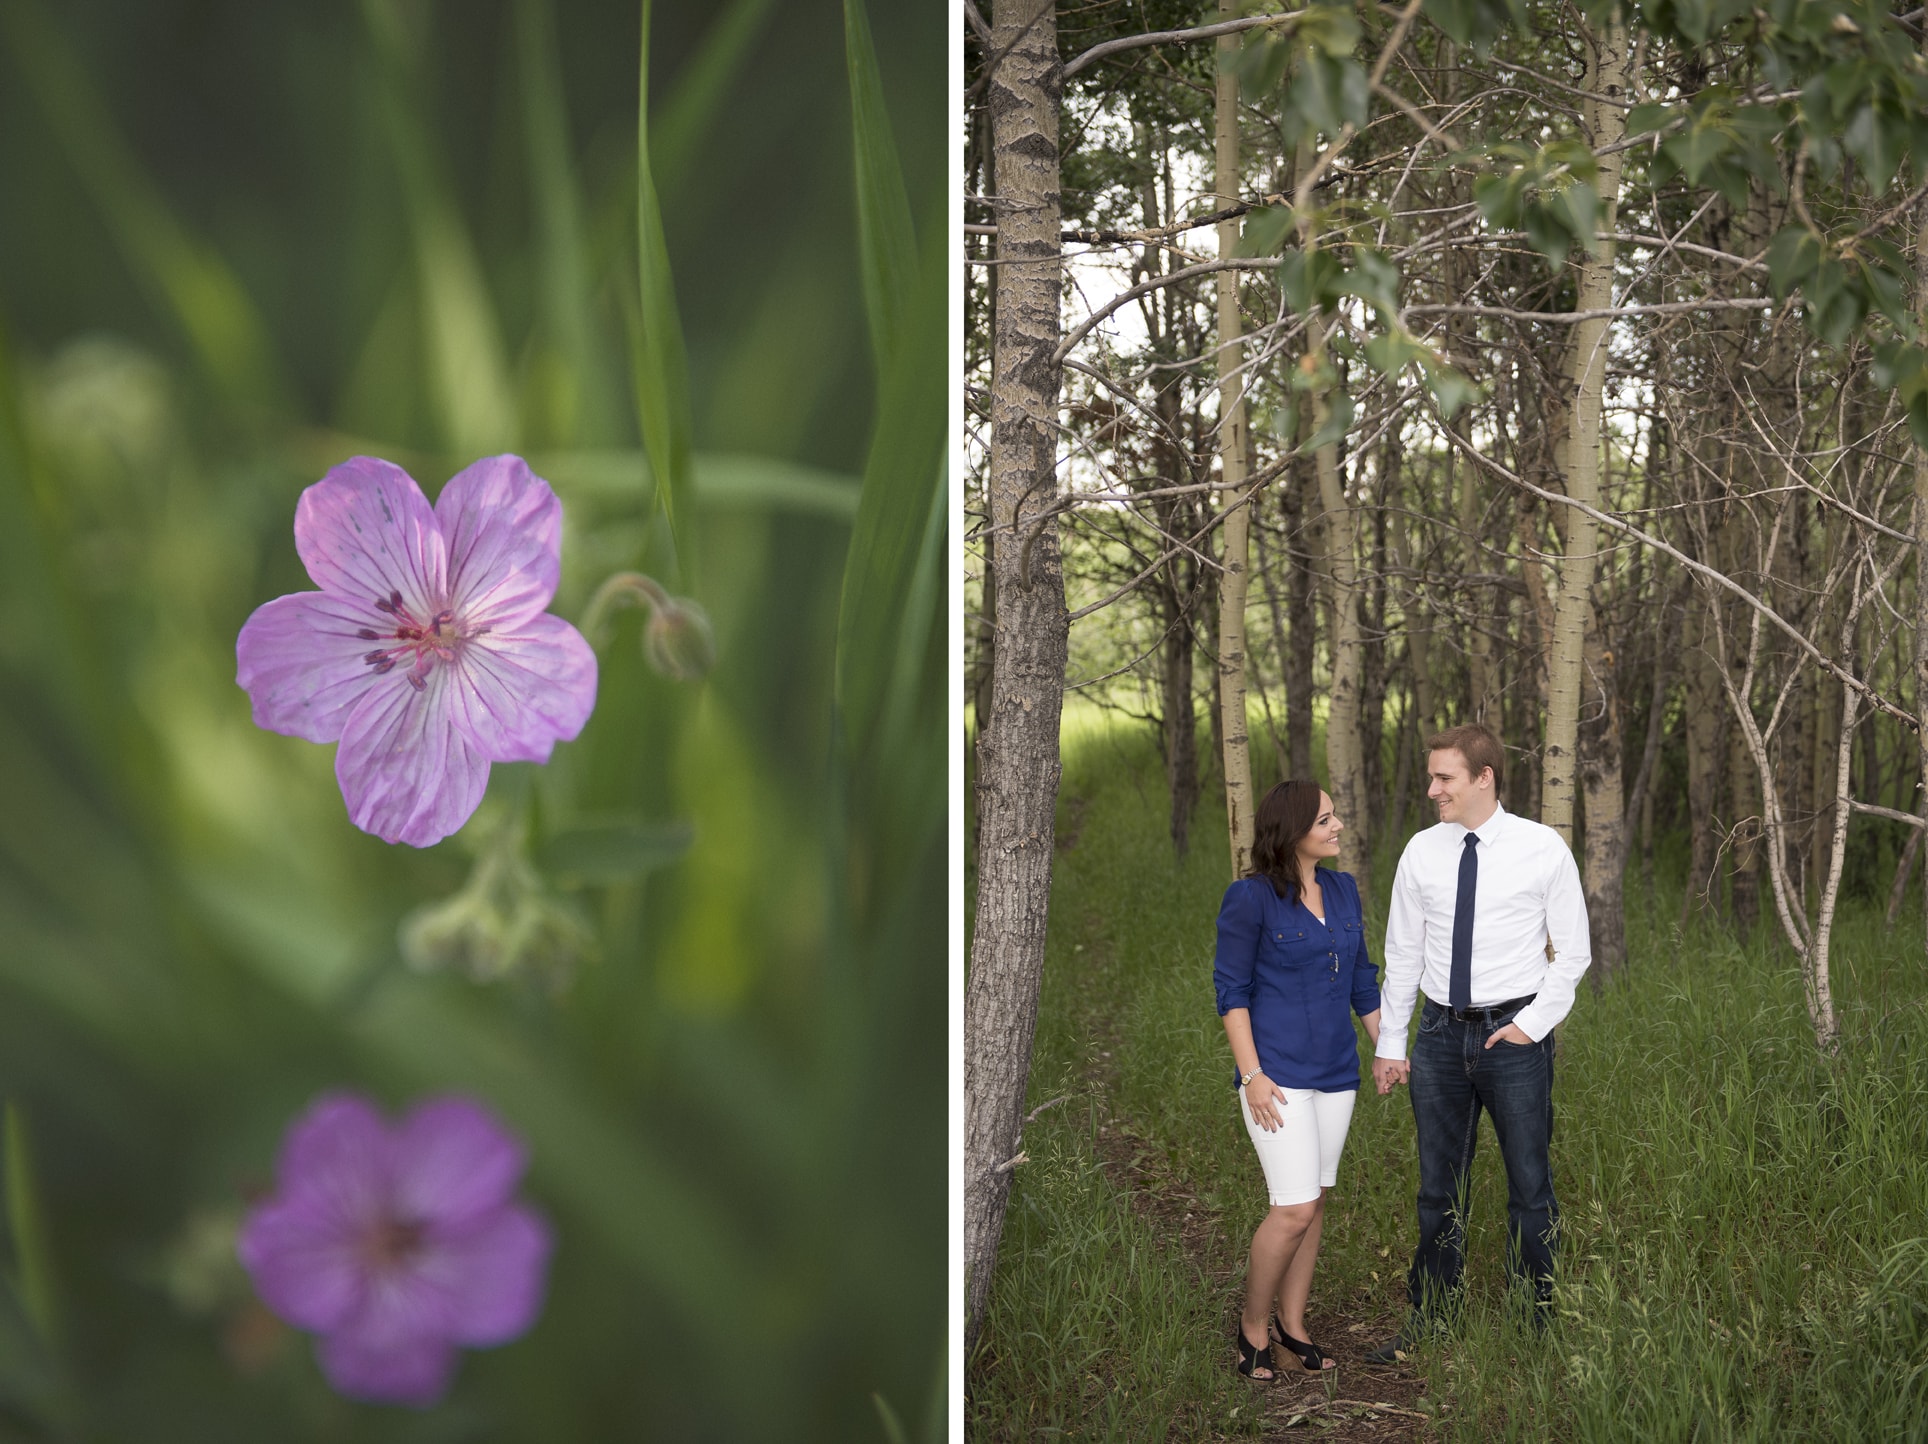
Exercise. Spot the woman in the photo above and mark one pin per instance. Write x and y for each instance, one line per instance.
(1291, 960)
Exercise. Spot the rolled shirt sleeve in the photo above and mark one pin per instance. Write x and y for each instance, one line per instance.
(1235, 965)
(1405, 954)
(1566, 929)
(1365, 973)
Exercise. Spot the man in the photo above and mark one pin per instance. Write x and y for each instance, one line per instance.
(1489, 920)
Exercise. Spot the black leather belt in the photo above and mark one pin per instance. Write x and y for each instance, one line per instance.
(1485, 1015)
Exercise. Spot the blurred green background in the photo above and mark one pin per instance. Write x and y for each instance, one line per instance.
(240, 243)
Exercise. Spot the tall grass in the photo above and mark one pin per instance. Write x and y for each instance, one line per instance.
(245, 243)
(1745, 1223)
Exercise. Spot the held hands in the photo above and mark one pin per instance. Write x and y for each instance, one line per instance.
(1267, 1101)
(1510, 1033)
(1389, 1072)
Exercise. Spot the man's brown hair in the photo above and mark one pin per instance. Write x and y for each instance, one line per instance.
(1477, 745)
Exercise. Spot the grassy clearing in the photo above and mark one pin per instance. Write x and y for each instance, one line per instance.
(1746, 1225)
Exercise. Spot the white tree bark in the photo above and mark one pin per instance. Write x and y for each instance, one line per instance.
(1018, 764)
(1565, 683)
(1233, 442)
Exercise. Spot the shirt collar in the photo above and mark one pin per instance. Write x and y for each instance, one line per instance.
(1492, 827)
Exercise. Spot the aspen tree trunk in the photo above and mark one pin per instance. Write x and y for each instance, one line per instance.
(1565, 653)
(1018, 763)
(1345, 749)
(1814, 970)
(1603, 867)
(1482, 672)
(1921, 556)
(1232, 446)
(1299, 616)
(1702, 702)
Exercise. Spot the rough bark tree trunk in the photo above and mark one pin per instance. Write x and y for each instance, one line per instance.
(1018, 762)
(1299, 615)
(1921, 546)
(1232, 444)
(1587, 372)
(1345, 747)
(1703, 700)
(1602, 750)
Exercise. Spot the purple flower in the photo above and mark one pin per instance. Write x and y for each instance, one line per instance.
(396, 1245)
(427, 653)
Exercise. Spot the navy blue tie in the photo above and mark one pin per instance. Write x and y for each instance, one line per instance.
(1461, 990)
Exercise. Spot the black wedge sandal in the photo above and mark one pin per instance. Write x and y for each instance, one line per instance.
(1254, 1356)
(1315, 1359)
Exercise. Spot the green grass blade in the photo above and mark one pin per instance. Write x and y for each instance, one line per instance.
(885, 236)
(475, 402)
(880, 636)
(703, 81)
(662, 369)
(27, 1223)
(187, 279)
(578, 403)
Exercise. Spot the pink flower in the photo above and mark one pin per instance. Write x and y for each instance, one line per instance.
(427, 653)
(397, 1245)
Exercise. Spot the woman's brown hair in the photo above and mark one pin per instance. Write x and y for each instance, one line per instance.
(1285, 815)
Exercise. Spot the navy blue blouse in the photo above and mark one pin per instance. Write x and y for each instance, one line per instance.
(1297, 975)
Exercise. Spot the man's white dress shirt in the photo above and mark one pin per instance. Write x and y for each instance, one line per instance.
(1528, 891)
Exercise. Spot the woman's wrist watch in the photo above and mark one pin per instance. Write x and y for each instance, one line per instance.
(1250, 1076)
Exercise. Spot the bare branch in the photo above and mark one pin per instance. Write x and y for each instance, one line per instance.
(1174, 37)
(1720, 579)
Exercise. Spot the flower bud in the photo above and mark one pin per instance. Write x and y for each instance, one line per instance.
(504, 920)
(678, 640)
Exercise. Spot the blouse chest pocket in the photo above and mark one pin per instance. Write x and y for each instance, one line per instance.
(1290, 947)
(1352, 937)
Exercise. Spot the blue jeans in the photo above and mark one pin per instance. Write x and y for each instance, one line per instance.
(1454, 1077)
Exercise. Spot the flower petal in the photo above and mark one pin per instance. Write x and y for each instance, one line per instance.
(504, 531)
(493, 1273)
(332, 1185)
(524, 689)
(406, 771)
(365, 530)
(452, 1162)
(335, 1158)
(414, 1371)
(301, 659)
(303, 1262)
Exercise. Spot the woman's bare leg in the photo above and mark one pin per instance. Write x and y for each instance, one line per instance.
(1295, 1283)
(1269, 1268)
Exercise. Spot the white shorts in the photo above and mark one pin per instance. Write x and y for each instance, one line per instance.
(1301, 1155)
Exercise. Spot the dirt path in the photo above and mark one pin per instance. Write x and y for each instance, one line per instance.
(1356, 1401)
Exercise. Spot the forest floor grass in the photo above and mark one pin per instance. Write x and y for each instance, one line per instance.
(1745, 1223)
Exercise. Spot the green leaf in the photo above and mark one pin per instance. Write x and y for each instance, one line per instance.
(614, 850)
(884, 234)
(1451, 389)
(890, 577)
(1791, 258)
(1390, 353)
(1308, 279)
(1265, 231)
(1547, 232)
(1876, 145)
(1372, 278)
(1650, 116)
(27, 1223)
(1579, 205)
(1330, 29)
(468, 364)
(662, 368)
(1338, 422)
